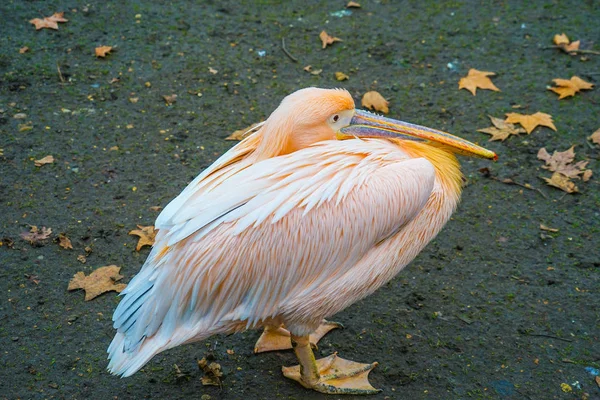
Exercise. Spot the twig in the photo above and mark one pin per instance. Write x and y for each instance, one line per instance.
(62, 79)
(547, 336)
(571, 51)
(511, 182)
(287, 53)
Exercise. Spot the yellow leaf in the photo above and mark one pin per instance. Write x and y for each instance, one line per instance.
(568, 87)
(561, 39)
(146, 234)
(102, 51)
(595, 137)
(23, 50)
(243, 133)
(501, 129)
(44, 161)
(50, 22)
(477, 79)
(562, 182)
(530, 122)
(352, 4)
(374, 101)
(99, 281)
(563, 42)
(340, 76)
(327, 40)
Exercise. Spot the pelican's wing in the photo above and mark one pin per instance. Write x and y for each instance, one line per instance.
(267, 234)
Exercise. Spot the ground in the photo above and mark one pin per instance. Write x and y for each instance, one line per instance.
(493, 308)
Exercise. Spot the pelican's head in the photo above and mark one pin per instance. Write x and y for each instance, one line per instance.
(312, 115)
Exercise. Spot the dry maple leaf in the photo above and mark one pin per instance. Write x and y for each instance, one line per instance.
(477, 79)
(102, 51)
(64, 242)
(146, 234)
(23, 50)
(243, 133)
(328, 40)
(561, 164)
(35, 235)
(50, 22)
(374, 101)
(44, 161)
(529, 122)
(99, 281)
(212, 372)
(340, 76)
(563, 43)
(562, 182)
(501, 129)
(568, 87)
(595, 137)
(352, 4)
(170, 99)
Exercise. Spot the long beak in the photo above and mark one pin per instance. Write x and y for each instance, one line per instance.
(367, 125)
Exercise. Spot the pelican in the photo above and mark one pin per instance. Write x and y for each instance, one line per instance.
(314, 211)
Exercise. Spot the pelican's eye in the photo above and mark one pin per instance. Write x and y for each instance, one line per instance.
(336, 118)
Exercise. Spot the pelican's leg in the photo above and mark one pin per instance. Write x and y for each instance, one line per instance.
(278, 338)
(332, 375)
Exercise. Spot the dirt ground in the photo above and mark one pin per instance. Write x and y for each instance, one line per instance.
(494, 308)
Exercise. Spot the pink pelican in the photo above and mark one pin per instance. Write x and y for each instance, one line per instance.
(316, 210)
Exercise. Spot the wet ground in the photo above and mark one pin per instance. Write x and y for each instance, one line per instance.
(494, 308)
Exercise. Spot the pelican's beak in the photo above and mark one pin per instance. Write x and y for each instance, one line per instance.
(367, 125)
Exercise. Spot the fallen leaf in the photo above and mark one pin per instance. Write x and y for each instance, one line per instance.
(340, 76)
(212, 372)
(146, 234)
(587, 174)
(548, 229)
(568, 87)
(170, 99)
(529, 122)
(35, 235)
(597, 379)
(44, 161)
(563, 42)
(230, 352)
(50, 22)
(81, 258)
(308, 68)
(501, 129)
(33, 278)
(99, 281)
(133, 100)
(477, 79)
(243, 133)
(352, 4)
(374, 101)
(64, 242)
(212, 70)
(328, 40)
(155, 208)
(595, 137)
(102, 51)
(25, 127)
(561, 161)
(23, 50)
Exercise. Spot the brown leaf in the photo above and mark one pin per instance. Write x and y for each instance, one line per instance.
(562, 182)
(477, 79)
(501, 129)
(170, 99)
(561, 161)
(99, 281)
(81, 258)
(375, 101)
(50, 22)
(547, 228)
(568, 87)
(155, 208)
(146, 234)
(243, 133)
(212, 70)
(587, 175)
(35, 235)
(340, 76)
(530, 122)
(102, 51)
(23, 50)
(597, 379)
(352, 4)
(64, 242)
(44, 161)
(327, 40)
(595, 137)
(212, 372)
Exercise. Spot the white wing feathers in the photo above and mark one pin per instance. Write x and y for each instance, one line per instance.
(246, 240)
